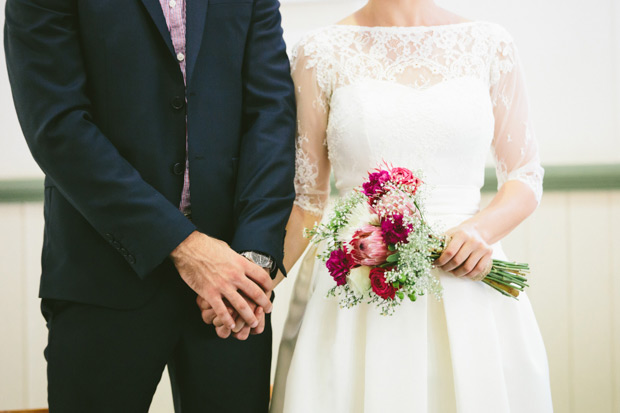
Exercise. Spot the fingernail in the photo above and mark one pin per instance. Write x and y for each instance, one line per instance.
(254, 324)
(268, 311)
(232, 326)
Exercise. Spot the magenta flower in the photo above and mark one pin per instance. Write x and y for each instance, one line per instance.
(374, 186)
(368, 247)
(339, 265)
(395, 230)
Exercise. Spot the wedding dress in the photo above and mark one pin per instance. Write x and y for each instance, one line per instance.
(434, 99)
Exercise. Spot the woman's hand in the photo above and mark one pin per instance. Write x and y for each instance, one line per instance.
(467, 255)
(241, 331)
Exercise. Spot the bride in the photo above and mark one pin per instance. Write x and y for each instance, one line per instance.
(407, 82)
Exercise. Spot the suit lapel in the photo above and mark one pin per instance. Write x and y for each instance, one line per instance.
(154, 9)
(196, 12)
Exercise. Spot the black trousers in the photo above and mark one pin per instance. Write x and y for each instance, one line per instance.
(106, 360)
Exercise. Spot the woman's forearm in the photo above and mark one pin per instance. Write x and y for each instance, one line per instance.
(513, 203)
(295, 242)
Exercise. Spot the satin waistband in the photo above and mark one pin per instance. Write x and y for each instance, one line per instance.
(452, 200)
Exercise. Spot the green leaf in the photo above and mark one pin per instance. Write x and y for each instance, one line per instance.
(392, 247)
(400, 294)
(393, 258)
(413, 297)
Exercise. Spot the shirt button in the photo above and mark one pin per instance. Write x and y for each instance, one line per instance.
(178, 169)
(177, 102)
(172, 4)
(180, 57)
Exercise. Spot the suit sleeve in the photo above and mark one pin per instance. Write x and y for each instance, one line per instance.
(48, 80)
(265, 190)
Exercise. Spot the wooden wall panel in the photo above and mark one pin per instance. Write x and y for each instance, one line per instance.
(13, 375)
(590, 299)
(35, 323)
(550, 289)
(614, 263)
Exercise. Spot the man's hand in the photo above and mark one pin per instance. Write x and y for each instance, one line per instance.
(217, 273)
(241, 331)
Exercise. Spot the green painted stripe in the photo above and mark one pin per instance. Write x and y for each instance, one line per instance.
(571, 178)
(21, 190)
(557, 178)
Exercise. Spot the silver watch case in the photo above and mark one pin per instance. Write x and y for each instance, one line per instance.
(261, 260)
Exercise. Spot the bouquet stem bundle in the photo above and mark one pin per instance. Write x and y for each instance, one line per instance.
(508, 278)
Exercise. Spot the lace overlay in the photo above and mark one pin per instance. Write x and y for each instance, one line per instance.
(430, 98)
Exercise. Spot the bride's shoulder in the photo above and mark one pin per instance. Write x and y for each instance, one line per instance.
(321, 42)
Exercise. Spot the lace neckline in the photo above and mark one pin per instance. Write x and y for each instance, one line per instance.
(405, 29)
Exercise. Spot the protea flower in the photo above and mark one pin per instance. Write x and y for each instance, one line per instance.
(368, 247)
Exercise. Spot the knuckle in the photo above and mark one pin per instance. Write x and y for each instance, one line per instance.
(257, 295)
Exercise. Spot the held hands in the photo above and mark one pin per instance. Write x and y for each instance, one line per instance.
(467, 255)
(241, 331)
(222, 277)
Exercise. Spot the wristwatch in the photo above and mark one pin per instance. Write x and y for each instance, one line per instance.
(263, 261)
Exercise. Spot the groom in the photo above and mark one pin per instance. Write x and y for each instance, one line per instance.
(165, 129)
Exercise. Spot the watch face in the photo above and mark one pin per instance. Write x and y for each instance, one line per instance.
(258, 259)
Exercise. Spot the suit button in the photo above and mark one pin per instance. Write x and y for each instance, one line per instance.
(109, 237)
(178, 102)
(131, 259)
(178, 169)
(116, 244)
(124, 251)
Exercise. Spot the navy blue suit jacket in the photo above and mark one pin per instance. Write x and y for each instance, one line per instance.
(102, 104)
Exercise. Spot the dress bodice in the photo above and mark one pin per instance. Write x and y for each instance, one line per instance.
(433, 99)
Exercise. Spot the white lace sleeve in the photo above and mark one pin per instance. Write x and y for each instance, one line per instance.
(514, 145)
(312, 167)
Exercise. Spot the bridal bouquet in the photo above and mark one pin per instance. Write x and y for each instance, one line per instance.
(380, 249)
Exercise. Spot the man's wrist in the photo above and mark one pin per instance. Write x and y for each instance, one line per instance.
(179, 250)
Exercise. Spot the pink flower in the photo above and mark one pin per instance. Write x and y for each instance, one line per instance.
(339, 265)
(405, 177)
(374, 186)
(394, 230)
(382, 288)
(368, 247)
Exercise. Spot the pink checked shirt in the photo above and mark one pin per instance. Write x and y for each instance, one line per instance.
(174, 12)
